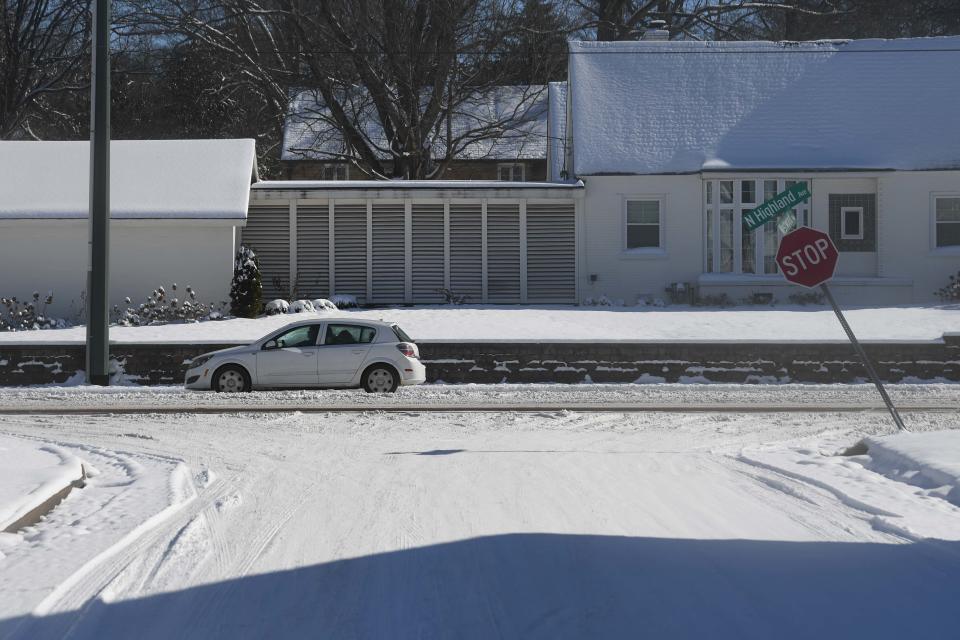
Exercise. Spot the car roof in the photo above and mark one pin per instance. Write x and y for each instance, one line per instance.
(316, 319)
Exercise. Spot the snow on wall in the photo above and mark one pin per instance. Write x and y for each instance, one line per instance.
(666, 107)
(205, 179)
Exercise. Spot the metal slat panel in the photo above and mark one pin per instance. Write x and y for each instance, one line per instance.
(268, 234)
(551, 253)
(503, 252)
(313, 251)
(350, 249)
(466, 251)
(427, 258)
(388, 253)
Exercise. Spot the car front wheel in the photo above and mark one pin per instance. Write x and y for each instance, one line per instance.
(231, 379)
(380, 379)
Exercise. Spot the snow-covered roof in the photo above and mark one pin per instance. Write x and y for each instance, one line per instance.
(675, 107)
(556, 130)
(206, 179)
(309, 133)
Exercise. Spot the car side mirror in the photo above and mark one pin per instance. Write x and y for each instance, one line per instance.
(270, 344)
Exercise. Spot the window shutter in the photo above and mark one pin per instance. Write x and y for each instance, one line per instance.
(466, 250)
(427, 258)
(350, 249)
(503, 252)
(551, 253)
(313, 251)
(268, 234)
(388, 253)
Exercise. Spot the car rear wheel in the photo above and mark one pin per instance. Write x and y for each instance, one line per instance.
(380, 378)
(231, 379)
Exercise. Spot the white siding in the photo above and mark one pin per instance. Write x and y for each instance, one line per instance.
(427, 251)
(268, 234)
(466, 250)
(313, 250)
(350, 249)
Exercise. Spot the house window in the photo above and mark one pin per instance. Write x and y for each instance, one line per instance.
(729, 248)
(851, 223)
(334, 172)
(510, 172)
(947, 221)
(643, 224)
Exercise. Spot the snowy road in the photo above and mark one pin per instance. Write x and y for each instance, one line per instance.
(550, 525)
(606, 397)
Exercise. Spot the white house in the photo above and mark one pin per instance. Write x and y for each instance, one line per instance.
(176, 210)
(676, 140)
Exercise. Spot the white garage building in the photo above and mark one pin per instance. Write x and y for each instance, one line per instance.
(403, 241)
(176, 207)
(676, 140)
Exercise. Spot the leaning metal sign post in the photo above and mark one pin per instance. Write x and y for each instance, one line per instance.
(808, 257)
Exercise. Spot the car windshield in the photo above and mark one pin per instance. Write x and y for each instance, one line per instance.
(298, 337)
(400, 333)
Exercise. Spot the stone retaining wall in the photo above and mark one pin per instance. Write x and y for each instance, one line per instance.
(565, 362)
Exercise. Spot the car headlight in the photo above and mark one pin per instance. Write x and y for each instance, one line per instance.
(199, 361)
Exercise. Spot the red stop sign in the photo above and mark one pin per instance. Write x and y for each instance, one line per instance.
(807, 257)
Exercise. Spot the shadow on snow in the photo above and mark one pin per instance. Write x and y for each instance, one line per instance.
(560, 586)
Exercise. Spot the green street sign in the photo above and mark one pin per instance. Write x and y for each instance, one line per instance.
(783, 201)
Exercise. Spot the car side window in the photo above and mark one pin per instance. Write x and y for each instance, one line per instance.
(348, 334)
(305, 336)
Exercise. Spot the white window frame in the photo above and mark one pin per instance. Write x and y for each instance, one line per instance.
(513, 168)
(843, 223)
(805, 217)
(950, 249)
(658, 251)
(335, 167)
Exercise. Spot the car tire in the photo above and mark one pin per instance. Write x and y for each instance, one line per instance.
(380, 378)
(231, 378)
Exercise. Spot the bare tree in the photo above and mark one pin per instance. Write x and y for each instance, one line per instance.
(696, 19)
(402, 82)
(43, 47)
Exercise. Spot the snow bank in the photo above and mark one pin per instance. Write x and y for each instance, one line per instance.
(929, 460)
(558, 323)
(30, 474)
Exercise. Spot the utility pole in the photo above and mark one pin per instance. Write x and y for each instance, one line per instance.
(98, 332)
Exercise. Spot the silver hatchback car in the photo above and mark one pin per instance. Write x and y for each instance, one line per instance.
(315, 353)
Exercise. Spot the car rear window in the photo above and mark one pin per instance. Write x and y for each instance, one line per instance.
(401, 334)
(349, 334)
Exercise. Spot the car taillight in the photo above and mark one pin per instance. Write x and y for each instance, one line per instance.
(408, 350)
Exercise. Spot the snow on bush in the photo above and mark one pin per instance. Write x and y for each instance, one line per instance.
(246, 288)
(343, 300)
(951, 292)
(322, 304)
(18, 315)
(602, 301)
(161, 308)
(276, 307)
(301, 306)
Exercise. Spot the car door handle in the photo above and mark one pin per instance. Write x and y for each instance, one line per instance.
(308, 354)
(357, 351)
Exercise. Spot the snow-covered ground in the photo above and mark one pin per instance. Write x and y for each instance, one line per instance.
(603, 324)
(534, 525)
